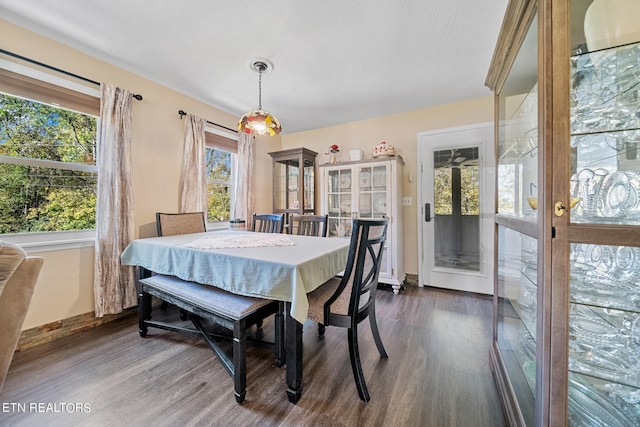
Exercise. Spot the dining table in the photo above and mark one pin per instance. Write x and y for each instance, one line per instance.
(279, 267)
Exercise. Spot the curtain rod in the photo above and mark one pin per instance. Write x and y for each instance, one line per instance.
(41, 64)
(183, 113)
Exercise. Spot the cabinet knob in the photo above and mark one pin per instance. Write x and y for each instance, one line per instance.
(560, 208)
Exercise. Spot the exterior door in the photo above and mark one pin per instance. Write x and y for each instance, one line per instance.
(456, 208)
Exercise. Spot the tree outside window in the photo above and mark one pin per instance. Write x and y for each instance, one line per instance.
(220, 176)
(48, 171)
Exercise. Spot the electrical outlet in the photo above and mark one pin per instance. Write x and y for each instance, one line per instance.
(407, 201)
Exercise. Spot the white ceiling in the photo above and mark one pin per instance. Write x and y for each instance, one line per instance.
(334, 61)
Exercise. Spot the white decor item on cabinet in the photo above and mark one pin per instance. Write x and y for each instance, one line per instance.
(356, 155)
(609, 23)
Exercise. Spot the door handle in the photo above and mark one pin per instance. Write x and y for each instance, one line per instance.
(427, 212)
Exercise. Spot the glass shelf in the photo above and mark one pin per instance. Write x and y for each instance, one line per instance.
(605, 132)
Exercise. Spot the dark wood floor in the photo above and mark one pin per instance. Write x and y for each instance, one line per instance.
(437, 374)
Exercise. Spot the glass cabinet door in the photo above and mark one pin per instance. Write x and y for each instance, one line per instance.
(604, 185)
(286, 174)
(341, 185)
(372, 191)
(309, 186)
(517, 278)
(516, 292)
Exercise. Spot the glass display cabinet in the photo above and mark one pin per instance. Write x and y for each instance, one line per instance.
(566, 348)
(294, 182)
(367, 189)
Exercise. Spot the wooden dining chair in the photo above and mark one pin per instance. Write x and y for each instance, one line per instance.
(171, 224)
(347, 301)
(309, 225)
(268, 223)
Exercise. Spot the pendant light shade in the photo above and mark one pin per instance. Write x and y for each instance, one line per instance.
(259, 121)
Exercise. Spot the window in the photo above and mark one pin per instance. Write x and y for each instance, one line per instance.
(48, 169)
(220, 166)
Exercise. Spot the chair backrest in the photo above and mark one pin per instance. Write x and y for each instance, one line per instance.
(171, 224)
(353, 298)
(268, 223)
(309, 225)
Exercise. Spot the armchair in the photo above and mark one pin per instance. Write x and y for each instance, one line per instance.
(18, 276)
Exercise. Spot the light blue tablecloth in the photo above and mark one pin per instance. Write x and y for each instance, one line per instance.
(284, 273)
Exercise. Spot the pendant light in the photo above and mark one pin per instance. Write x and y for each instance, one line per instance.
(260, 122)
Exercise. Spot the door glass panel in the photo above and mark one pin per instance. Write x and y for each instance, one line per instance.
(280, 185)
(457, 208)
(309, 185)
(604, 335)
(365, 192)
(517, 196)
(293, 171)
(605, 132)
(339, 202)
(517, 314)
(604, 312)
(518, 134)
(380, 195)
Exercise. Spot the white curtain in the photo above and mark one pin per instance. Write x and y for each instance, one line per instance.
(194, 194)
(114, 286)
(244, 199)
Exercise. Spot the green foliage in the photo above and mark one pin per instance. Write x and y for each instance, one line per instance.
(38, 197)
(470, 190)
(65, 210)
(219, 206)
(218, 165)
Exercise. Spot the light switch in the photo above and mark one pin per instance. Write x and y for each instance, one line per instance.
(407, 201)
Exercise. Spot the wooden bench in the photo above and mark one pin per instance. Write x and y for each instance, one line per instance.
(233, 312)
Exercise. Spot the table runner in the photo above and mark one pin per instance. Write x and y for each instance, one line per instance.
(251, 240)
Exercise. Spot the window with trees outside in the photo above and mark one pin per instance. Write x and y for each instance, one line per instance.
(220, 166)
(48, 171)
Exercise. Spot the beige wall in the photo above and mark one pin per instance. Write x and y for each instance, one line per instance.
(65, 286)
(399, 130)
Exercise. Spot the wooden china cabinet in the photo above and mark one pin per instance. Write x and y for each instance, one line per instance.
(566, 342)
(294, 182)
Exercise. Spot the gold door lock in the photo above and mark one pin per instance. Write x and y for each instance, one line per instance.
(560, 208)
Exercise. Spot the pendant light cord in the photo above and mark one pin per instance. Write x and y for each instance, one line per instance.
(260, 68)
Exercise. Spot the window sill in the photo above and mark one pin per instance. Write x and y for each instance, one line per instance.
(52, 240)
(63, 240)
(217, 226)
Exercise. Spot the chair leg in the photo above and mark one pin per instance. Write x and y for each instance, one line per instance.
(240, 360)
(376, 334)
(356, 366)
(321, 329)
